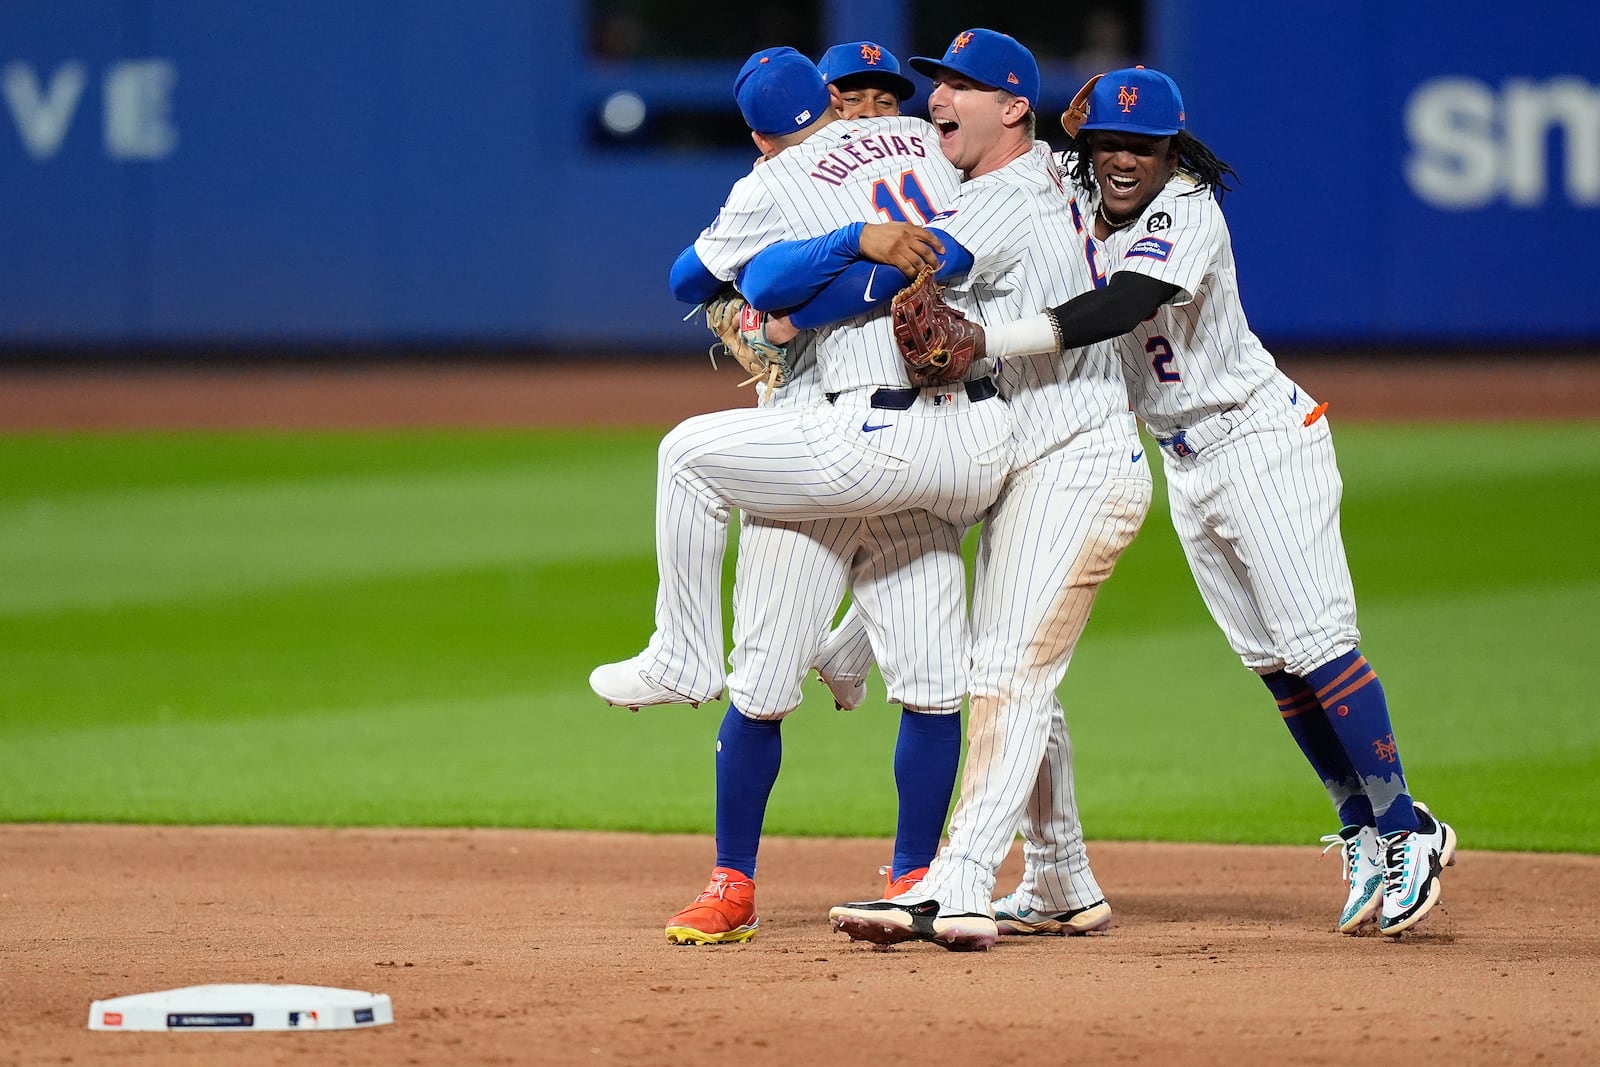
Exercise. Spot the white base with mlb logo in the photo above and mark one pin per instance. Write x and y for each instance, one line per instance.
(243, 1009)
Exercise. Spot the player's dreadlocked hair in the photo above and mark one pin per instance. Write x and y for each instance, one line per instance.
(1193, 158)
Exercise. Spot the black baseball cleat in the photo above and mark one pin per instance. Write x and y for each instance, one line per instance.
(884, 922)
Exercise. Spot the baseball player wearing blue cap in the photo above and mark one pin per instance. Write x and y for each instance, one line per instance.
(1077, 493)
(1252, 480)
(864, 79)
(863, 82)
(870, 490)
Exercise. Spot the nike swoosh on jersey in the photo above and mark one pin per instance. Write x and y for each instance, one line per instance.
(1294, 396)
(1136, 456)
(867, 297)
(867, 427)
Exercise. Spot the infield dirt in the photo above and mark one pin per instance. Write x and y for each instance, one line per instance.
(509, 947)
(523, 946)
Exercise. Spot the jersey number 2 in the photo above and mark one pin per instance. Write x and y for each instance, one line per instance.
(1163, 358)
(911, 194)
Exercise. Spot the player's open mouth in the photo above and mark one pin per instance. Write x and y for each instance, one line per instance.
(947, 127)
(1122, 184)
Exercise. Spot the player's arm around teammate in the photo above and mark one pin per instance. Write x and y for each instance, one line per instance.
(872, 489)
(1074, 501)
(1253, 481)
(864, 81)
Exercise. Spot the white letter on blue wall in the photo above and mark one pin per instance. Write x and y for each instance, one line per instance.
(138, 97)
(42, 118)
(1454, 147)
(1532, 110)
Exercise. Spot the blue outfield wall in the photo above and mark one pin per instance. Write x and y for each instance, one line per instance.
(404, 171)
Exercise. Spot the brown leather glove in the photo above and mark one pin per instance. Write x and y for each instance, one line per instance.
(938, 342)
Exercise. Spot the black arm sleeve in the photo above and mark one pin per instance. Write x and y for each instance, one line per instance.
(1110, 312)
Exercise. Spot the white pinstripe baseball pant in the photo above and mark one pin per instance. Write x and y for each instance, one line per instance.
(908, 579)
(946, 455)
(1257, 513)
(1049, 543)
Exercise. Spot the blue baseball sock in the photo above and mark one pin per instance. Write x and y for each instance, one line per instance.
(925, 760)
(1311, 731)
(1353, 702)
(749, 753)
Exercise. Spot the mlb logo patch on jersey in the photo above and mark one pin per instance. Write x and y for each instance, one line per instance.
(1150, 248)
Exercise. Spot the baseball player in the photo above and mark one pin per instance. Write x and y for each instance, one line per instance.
(1074, 500)
(864, 81)
(870, 489)
(1252, 480)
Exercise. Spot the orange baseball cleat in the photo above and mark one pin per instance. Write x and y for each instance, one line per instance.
(724, 914)
(893, 887)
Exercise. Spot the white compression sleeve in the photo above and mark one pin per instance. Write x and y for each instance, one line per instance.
(1025, 337)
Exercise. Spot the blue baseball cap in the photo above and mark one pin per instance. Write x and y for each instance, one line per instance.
(990, 57)
(866, 57)
(1135, 100)
(780, 91)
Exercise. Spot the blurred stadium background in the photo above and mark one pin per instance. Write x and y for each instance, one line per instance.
(389, 175)
(188, 185)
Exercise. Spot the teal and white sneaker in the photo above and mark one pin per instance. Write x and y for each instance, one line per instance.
(1014, 916)
(1363, 873)
(1413, 860)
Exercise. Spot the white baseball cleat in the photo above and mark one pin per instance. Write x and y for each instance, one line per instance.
(848, 692)
(1363, 872)
(624, 685)
(1413, 860)
(843, 662)
(1015, 917)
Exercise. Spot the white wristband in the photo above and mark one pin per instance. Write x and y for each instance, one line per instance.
(1026, 337)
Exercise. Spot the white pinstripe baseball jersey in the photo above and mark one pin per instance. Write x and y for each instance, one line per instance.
(895, 171)
(940, 452)
(1254, 485)
(1197, 355)
(1254, 488)
(1075, 498)
(1017, 222)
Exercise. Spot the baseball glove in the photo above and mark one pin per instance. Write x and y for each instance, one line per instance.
(743, 333)
(937, 342)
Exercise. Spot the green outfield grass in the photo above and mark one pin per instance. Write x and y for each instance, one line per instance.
(397, 629)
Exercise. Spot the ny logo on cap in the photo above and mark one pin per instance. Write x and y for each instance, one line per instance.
(872, 54)
(961, 41)
(1127, 98)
